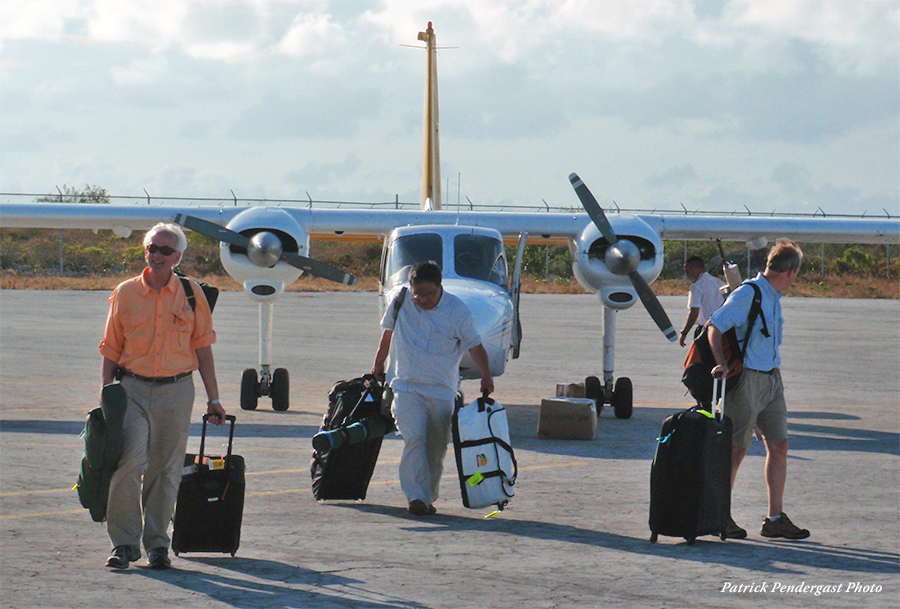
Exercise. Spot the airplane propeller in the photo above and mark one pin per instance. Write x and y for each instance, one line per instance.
(622, 257)
(265, 249)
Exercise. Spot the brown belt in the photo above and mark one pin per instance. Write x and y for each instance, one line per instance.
(156, 380)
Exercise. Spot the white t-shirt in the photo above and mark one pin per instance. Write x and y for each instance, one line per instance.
(706, 296)
(427, 346)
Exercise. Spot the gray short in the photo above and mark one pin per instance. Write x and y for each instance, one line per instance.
(757, 400)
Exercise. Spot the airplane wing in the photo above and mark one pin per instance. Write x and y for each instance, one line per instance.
(349, 223)
(801, 229)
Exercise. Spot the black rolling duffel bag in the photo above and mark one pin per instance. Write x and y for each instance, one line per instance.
(343, 462)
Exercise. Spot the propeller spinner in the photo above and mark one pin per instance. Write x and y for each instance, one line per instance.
(622, 257)
(264, 249)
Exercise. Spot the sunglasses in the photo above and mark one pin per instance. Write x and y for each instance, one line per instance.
(165, 250)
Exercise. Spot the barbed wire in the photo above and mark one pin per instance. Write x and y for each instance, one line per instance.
(310, 203)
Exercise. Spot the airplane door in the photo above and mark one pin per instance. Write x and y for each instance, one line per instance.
(515, 290)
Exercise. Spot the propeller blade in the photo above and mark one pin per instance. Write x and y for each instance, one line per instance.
(211, 229)
(319, 269)
(593, 208)
(651, 303)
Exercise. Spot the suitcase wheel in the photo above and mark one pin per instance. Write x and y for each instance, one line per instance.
(653, 537)
(691, 540)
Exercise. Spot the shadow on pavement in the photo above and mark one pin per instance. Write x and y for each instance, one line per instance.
(766, 556)
(277, 588)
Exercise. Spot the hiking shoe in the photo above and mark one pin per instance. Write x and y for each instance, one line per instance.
(783, 527)
(158, 558)
(733, 531)
(122, 556)
(417, 507)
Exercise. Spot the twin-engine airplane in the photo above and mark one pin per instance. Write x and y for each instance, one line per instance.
(264, 248)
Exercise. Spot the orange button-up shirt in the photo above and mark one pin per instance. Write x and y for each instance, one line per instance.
(156, 334)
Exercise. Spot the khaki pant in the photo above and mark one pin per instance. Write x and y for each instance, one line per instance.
(757, 400)
(143, 489)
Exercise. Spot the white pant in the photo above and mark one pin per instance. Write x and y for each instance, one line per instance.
(143, 489)
(424, 423)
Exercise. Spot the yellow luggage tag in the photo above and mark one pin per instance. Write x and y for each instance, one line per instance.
(475, 479)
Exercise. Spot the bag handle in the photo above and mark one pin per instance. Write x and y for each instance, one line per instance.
(371, 384)
(484, 400)
(228, 417)
(719, 398)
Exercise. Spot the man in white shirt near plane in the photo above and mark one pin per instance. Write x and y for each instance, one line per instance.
(704, 298)
(426, 339)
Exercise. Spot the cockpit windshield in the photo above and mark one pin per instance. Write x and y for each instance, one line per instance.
(409, 250)
(480, 257)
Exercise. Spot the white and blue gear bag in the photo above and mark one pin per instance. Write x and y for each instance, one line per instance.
(484, 458)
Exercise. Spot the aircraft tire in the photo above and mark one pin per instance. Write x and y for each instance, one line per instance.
(281, 388)
(593, 390)
(249, 389)
(622, 398)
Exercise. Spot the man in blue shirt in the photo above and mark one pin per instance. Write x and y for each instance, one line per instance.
(758, 398)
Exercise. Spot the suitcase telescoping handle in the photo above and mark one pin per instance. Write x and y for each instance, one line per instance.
(719, 398)
(228, 417)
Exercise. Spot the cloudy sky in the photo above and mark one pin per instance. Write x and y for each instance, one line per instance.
(784, 105)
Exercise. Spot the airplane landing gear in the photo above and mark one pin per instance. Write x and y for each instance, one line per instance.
(276, 386)
(618, 395)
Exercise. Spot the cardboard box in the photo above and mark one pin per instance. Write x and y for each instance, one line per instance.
(570, 390)
(565, 418)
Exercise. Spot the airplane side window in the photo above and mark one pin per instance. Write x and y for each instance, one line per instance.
(480, 257)
(408, 250)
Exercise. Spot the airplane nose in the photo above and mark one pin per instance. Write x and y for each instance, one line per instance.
(623, 257)
(265, 249)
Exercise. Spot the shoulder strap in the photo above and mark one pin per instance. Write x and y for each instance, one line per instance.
(189, 291)
(398, 302)
(755, 311)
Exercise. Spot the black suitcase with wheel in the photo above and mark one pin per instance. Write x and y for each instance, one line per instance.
(690, 479)
(210, 503)
(342, 467)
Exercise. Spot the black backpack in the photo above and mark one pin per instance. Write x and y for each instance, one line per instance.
(211, 292)
(698, 364)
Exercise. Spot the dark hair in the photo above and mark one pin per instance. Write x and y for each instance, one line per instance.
(425, 271)
(695, 262)
(784, 256)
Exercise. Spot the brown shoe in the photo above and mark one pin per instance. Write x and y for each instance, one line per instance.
(417, 507)
(122, 556)
(733, 531)
(782, 527)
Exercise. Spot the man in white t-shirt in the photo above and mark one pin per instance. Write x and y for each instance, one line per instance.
(704, 297)
(426, 340)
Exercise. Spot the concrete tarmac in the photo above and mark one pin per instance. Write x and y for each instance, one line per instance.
(575, 535)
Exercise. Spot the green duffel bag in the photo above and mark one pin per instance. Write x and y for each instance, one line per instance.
(102, 450)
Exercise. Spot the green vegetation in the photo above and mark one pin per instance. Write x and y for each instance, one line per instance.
(81, 253)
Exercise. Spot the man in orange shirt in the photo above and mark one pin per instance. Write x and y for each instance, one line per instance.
(154, 341)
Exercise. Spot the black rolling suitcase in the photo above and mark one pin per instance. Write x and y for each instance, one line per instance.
(690, 479)
(346, 448)
(210, 503)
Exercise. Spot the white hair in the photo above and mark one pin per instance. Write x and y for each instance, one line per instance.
(167, 227)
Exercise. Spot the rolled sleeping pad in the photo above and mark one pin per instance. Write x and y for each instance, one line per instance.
(371, 427)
